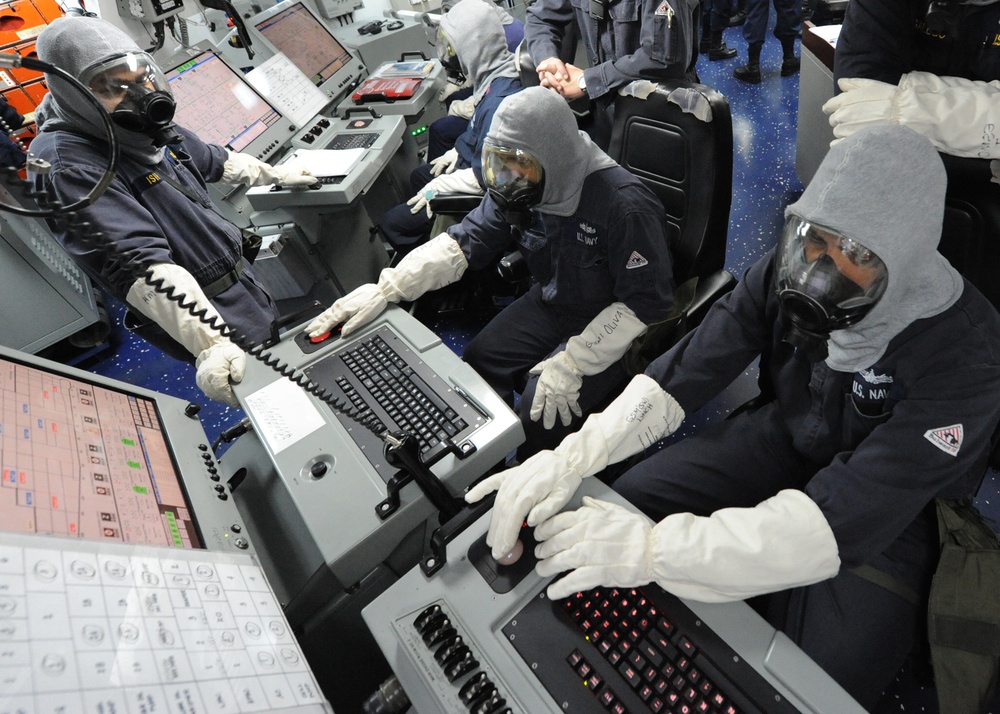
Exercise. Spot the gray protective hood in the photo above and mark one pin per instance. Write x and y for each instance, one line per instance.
(884, 187)
(75, 44)
(477, 35)
(539, 121)
(505, 17)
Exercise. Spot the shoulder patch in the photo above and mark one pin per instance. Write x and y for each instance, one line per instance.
(946, 438)
(635, 261)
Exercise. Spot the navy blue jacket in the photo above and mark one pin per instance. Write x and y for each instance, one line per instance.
(879, 437)
(613, 249)
(146, 221)
(641, 39)
(10, 153)
(884, 39)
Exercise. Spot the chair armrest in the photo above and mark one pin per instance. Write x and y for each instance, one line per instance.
(450, 204)
(513, 267)
(709, 290)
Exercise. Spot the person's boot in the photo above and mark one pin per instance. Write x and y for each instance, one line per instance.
(790, 63)
(751, 71)
(718, 50)
(740, 16)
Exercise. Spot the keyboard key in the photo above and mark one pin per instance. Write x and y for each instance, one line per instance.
(630, 675)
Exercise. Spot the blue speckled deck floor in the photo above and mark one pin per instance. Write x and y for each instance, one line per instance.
(764, 181)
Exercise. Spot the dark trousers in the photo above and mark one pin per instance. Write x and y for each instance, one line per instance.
(788, 21)
(715, 16)
(405, 230)
(521, 336)
(444, 132)
(857, 631)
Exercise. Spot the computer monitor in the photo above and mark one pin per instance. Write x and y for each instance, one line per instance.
(216, 102)
(292, 29)
(88, 457)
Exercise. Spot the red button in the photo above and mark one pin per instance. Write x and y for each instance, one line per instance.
(320, 337)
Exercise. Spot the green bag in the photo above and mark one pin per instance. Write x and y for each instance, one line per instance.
(963, 611)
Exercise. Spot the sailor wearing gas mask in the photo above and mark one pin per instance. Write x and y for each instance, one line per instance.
(593, 238)
(470, 43)
(931, 65)
(879, 370)
(156, 213)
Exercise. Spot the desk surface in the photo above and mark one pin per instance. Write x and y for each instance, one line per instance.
(821, 41)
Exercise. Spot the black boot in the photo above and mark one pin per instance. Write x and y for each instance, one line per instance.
(718, 50)
(751, 72)
(789, 63)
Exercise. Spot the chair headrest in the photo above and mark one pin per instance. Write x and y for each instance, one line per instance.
(525, 65)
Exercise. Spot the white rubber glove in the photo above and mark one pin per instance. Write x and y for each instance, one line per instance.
(534, 491)
(445, 163)
(251, 171)
(957, 115)
(462, 107)
(462, 181)
(447, 90)
(218, 360)
(451, 87)
(600, 345)
(433, 265)
(733, 554)
(217, 367)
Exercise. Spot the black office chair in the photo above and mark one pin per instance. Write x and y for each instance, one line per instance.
(678, 140)
(970, 239)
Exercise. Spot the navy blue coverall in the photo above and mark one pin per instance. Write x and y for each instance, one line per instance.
(613, 249)
(147, 221)
(866, 447)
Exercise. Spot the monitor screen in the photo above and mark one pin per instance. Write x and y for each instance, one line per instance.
(298, 34)
(220, 106)
(83, 460)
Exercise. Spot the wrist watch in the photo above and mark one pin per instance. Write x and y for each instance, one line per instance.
(582, 83)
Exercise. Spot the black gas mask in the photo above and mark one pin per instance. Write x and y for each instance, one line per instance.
(139, 93)
(824, 282)
(515, 180)
(941, 16)
(449, 58)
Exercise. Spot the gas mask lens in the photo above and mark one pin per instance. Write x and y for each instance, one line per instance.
(134, 91)
(825, 281)
(449, 58)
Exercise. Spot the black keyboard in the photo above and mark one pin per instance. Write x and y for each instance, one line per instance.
(384, 380)
(636, 650)
(361, 140)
